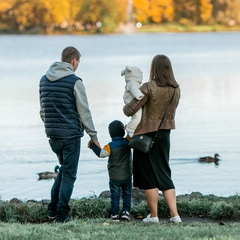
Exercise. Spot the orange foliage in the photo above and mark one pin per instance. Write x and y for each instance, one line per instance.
(206, 10)
(6, 5)
(48, 14)
(161, 10)
(141, 10)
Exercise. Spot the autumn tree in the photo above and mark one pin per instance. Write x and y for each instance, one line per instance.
(197, 11)
(161, 11)
(58, 12)
(226, 11)
(205, 10)
(10, 13)
(141, 10)
(156, 11)
(5, 13)
(24, 14)
(102, 14)
(106, 16)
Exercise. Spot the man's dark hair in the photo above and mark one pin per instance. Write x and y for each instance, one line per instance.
(70, 53)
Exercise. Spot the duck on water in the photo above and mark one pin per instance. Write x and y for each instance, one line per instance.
(48, 175)
(209, 159)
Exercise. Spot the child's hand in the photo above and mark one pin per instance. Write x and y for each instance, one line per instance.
(93, 142)
(97, 144)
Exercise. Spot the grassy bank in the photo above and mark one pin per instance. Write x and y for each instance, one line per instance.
(194, 205)
(177, 28)
(157, 28)
(100, 229)
(204, 217)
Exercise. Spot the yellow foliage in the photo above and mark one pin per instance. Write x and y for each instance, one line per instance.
(161, 9)
(5, 5)
(206, 10)
(74, 8)
(48, 14)
(141, 10)
(23, 13)
(58, 11)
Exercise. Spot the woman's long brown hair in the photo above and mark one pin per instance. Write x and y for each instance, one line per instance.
(161, 72)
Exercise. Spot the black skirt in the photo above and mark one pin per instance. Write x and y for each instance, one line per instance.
(152, 170)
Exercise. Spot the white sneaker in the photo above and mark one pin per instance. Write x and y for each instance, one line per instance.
(125, 216)
(114, 218)
(149, 219)
(175, 219)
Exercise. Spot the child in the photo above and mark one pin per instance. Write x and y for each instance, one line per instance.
(119, 169)
(133, 79)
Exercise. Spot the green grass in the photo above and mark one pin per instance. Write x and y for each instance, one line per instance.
(100, 229)
(204, 217)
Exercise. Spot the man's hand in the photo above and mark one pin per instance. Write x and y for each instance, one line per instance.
(94, 142)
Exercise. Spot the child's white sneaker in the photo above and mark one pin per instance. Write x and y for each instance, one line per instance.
(125, 216)
(175, 219)
(149, 219)
(114, 218)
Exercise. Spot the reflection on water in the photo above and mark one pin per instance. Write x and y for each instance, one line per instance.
(207, 118)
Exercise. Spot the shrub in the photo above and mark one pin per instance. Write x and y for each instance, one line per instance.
(197, 205)
(222, 210)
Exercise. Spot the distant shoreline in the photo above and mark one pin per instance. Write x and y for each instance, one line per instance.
(130, 29)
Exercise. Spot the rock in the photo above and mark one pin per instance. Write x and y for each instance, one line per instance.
(196, 195)
(15, 201)
(137, 194)
(31, 201)
(105, 194)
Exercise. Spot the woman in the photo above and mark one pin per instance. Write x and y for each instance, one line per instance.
(152, 171)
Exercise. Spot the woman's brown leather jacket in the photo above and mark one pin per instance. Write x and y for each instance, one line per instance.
(154, 104)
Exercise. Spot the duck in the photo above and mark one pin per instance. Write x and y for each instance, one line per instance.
(48, 175)
(209, 159)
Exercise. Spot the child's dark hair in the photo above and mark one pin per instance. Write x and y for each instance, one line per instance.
(116, 129)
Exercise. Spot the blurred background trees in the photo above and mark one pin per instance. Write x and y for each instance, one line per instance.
(44, 16)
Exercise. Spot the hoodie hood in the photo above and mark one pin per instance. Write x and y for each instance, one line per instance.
(132, 74)
(59, 70)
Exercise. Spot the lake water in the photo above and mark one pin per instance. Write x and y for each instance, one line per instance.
(206, 65)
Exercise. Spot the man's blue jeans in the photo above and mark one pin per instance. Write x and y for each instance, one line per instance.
(116, 187)
(68, 152)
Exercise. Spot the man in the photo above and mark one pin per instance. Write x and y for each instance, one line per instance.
(65, 113)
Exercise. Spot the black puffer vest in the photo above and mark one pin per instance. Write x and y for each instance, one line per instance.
(120, 160)
(61, 118)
